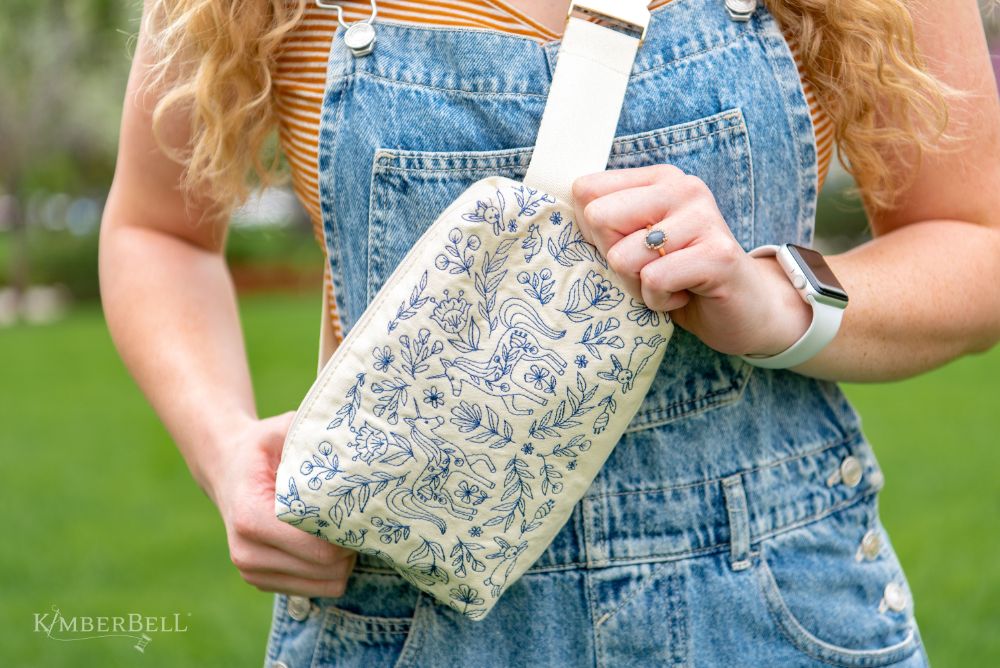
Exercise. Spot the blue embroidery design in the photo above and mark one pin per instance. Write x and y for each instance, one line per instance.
(490, 357)
(297, 511)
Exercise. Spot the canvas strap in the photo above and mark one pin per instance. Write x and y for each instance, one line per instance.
(585, 99)
(581, 111)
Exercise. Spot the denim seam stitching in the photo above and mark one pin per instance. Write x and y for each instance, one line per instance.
(852, 437)
(463, 91)
(659, 415)
(391, 169)
(334, 258)
(769, 37)
(645, 583)
(752, 196)
(413, 642)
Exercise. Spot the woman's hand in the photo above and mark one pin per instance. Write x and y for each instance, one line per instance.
(734, 303)
(271, 555)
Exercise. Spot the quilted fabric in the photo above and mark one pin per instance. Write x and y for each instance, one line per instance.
(470, 408)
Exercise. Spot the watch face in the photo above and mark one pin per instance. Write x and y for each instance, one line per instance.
(817, 272)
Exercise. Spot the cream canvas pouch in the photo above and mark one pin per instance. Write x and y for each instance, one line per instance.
(469, 409)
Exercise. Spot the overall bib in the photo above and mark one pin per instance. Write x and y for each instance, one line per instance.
(736, 522)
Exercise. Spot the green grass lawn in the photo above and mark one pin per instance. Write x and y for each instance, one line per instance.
(101, 517)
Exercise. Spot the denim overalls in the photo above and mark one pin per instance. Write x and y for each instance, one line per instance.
(735, 524)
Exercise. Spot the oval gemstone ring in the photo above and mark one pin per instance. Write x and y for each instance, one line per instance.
(655, 240)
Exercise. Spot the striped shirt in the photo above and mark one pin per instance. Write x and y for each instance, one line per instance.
(301, 79)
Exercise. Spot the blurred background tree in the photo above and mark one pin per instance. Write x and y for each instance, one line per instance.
(100, 513)
(63, 67)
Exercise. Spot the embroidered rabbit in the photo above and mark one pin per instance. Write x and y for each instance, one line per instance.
(297, 511)
(507, 555)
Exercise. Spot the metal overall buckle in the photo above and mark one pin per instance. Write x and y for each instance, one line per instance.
(358, 36)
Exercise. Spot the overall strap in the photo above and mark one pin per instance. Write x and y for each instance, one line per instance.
(588, 88)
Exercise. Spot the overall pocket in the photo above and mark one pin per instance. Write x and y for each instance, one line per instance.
(370, 625)
(836, 591)
(409, 189)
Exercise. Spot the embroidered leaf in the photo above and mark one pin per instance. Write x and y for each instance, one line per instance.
(566, 414)
(409, 307)
(390, 530)
(349, 410)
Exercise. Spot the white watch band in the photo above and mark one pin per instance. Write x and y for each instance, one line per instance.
(825, 323)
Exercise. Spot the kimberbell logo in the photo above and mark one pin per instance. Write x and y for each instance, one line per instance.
(134, 626)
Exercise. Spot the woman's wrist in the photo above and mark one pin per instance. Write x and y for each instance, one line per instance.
(787, 316)
(208, 455)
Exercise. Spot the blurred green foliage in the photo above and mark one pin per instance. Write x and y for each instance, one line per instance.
(60, 257)
(101, 516)
(63, 67)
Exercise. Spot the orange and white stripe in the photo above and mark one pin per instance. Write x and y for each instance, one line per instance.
(300, 81)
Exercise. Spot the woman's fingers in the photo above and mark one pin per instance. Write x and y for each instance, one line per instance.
(589, 187)
(301, 545)
(260, 558)
(280, 583)
(688, 270)
(628, 257)
(610, 218)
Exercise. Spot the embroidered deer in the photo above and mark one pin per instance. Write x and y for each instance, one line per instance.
(499, 375)
(443, 459)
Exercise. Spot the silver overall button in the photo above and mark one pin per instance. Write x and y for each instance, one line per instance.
(360, 38)
(849, 472)
(741, 10)
(893, 598)
(871, 545)
(298, 608)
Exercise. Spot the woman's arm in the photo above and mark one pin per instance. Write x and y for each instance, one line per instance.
(926, 288)
(171, 309)
(922, 292)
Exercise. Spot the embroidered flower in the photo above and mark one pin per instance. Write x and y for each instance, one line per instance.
(581, 362)
(512, 225)
(599, 292)
(434, 397)
(475, 532)
(452, 313)
(383, 358)
(473, 242)
(555, 218)
(538, 376)
(466, 595)
(467, 492)
(572, 465)
(370, 442)
(643, 315)
(527, 448)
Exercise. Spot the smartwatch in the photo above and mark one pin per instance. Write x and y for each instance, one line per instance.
(818, 287)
